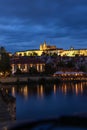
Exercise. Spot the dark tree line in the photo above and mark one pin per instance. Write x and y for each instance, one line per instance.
(5, 67)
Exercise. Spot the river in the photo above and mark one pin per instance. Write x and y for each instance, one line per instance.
(51, 100)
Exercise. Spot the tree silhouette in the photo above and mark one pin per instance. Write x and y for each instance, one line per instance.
(5, 63)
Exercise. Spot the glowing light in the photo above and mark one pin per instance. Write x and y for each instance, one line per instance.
(13, 91)
(54, 88)
(65, 89)
(40, 91)
(76, 89)
(81, 89)
(25, 92)
(41, 68)
(6, 90)
(37, 67)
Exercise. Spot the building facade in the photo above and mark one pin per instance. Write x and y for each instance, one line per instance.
(43, 48)
(73, 52)
(24, 64)
(51, 50)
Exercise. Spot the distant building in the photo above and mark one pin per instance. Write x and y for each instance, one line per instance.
(24, 63)
(73, 52)
(44, 47)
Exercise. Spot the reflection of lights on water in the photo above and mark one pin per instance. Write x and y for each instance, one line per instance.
(54, 88)
(81, 89)
(40, 91)
(13, 91)
(25, 92)
(76, 89)
(7, 91)
(65, 89)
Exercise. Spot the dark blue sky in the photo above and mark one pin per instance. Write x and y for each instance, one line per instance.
(24, 24)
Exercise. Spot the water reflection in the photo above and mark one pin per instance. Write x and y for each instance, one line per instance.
(13, 92)
(40, 91)
(54, 89)
(64, 89)
(26, 92)
(36, 101)
(45, 90)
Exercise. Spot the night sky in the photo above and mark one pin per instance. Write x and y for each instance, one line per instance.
(25, 24)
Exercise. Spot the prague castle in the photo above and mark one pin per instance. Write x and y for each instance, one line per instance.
(44, 47)
(51, 50)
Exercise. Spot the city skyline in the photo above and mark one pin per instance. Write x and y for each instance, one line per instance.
(26, 24)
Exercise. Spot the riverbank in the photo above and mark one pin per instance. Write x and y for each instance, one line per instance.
(28, 79)
(39, 79)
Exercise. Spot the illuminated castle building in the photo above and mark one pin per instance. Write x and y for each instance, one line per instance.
(45, 47)
(73, 52)
(51, 50)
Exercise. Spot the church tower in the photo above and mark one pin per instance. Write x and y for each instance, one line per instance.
(44, 45)
(41, 47)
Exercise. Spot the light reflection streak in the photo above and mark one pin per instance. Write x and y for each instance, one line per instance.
(7, 91)
(40, 91)
(73, 88)
(54, 89)
(13, 91)
(25, 92)
(81, 89)
(76, 89)
(65, 89)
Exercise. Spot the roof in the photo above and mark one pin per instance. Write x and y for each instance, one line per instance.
(67, 72)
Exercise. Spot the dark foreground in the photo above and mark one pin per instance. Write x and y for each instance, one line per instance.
(64, 122)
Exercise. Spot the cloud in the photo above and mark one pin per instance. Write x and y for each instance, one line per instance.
(27, 23)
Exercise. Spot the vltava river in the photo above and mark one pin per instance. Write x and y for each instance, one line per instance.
(45, 101)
